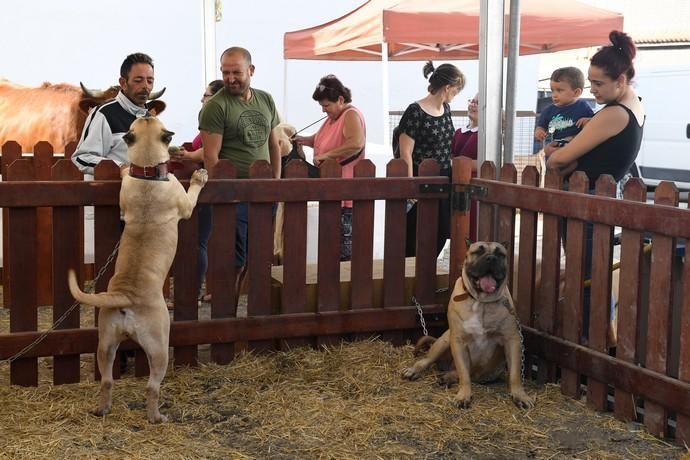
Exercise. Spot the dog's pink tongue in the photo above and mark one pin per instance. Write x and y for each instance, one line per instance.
(487, 284)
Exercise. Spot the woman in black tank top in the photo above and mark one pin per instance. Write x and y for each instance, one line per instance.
(616, 154)
(610, 141)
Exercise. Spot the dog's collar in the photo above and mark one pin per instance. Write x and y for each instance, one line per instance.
(156, 172)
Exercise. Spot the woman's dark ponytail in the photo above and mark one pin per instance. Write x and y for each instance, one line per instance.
(617, 58)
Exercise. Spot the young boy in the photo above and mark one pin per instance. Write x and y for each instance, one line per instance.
(566, 117)
(563, 119)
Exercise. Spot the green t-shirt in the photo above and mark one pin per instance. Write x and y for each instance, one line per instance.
(245, 126)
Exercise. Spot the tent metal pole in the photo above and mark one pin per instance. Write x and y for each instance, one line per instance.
(211, 61)
(384, 93)
(491, 18)
(511, 80)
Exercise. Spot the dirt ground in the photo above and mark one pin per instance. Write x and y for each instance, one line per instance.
(342, 402)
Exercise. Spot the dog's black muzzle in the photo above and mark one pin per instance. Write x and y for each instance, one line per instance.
(488, 265)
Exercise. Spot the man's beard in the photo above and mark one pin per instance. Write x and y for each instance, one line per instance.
(138, 98)
(237, 89)
(142, 97)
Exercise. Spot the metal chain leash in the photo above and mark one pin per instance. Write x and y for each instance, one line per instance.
(421, 315)
(422, 322)
(522, 351)
(64, 316)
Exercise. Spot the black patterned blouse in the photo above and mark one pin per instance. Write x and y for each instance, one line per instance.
(432, 135)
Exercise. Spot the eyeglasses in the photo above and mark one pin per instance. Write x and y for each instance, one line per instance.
(322, 87)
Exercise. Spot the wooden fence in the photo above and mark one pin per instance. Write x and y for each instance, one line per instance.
(276, 317)
(43, 158)
(644, 378)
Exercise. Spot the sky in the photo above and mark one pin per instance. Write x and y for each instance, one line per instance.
(82, 40)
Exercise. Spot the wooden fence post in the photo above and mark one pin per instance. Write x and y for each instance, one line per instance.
(43, 162)
(523, 287)
(659, 326)
(221, 268)
(548, 293)
(11, 151)
(427, 237)
(505, 233)
(106, 234)
(260, 255)
(486, 210)
(22, 266)
(394, 288)
(361, 268)
(683, 421)
(294, 289)
(570, 318)
(68, 252)
(184, 271)
(629, 300)
(328, 278)
(600, 299)
(527, 254)
(460, 220)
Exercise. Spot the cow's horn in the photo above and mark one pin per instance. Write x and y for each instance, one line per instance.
(156, 94)
(94, 93)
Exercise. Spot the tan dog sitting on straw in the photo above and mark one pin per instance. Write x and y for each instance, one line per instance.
(133, 307)
(483, 332)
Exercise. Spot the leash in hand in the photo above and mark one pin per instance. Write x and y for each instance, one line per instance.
(309, 125)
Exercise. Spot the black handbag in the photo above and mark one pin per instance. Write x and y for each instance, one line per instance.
(296, 155)
(312, 171)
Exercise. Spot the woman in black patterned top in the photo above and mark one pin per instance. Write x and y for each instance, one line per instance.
(426, 128)
(426, 131)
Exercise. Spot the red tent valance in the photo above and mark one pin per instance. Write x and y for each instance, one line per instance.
(446, 29)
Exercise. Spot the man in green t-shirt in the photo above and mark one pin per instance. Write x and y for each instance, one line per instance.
(238, 124)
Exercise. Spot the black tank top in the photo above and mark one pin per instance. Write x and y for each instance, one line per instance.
(616, 154)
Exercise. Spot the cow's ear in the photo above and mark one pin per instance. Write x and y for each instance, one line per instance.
(155, 107)
(85, 105)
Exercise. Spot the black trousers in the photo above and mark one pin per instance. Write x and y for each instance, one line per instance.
(442, 233)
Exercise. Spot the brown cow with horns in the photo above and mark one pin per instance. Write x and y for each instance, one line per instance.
(52, 113)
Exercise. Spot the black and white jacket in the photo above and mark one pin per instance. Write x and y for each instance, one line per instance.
(103, 131)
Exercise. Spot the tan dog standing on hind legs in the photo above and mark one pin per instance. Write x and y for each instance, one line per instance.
(133, 307)
(483, 334)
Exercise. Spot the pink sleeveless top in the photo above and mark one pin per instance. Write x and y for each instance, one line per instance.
(330, 136)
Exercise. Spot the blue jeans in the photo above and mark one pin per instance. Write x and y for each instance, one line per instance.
(346, 234)
(241, 234)
(241, 238)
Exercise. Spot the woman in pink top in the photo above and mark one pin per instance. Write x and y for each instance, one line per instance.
(341, 137)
